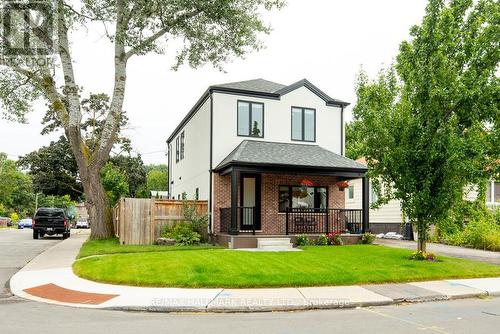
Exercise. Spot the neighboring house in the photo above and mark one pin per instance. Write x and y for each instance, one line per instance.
(268, 158)
(388, 217)
(81, 211)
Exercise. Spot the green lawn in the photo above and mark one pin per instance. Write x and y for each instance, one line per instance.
(112, 246)
(315, 266)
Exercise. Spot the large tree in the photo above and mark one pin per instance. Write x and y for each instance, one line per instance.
(430, 125)
(209, 32)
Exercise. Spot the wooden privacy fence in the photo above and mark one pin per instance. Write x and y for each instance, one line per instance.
(139, 221)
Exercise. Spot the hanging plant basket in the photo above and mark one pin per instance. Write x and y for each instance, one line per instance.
(342, 185)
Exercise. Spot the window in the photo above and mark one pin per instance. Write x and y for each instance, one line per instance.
(493, 192)
(303, 124)
(177, 149)
(351, 192)
(302, 197)
(182, 146)
(197, 194)
(250, 119)
(373, 195)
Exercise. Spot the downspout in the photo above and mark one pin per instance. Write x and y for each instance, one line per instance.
(210, 207)
(342, 130)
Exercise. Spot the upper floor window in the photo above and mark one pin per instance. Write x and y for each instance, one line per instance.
(303, 124)
(250, 119)
(182, 146)
(493, 192)
(177, 149)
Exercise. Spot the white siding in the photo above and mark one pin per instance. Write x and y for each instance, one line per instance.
(388, 213)
(277, 121)
(193, 171)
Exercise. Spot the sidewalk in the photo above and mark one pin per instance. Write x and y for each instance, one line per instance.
(49, 278)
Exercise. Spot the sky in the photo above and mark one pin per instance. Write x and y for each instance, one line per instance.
(325, 41)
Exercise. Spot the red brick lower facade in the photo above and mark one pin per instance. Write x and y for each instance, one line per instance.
(272, 222)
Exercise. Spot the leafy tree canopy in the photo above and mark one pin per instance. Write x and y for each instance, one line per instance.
(428, 126)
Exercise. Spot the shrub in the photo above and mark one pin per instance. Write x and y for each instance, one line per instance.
(334, 239)
(303, 240)
(421, 256)
(183, 234)
(198, 222)
(367, 238)
(322, 240)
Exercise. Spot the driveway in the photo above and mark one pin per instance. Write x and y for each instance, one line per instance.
(440, 249)
(17, 247)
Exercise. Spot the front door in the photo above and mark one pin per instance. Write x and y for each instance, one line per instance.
(250, 202)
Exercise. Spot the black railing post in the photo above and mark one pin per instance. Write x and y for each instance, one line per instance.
(327, 220)
(365, 205)
(233, 229)
(286, 220)
(254, 209)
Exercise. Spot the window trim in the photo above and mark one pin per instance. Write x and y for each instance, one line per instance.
(290, 187)
(250, 103)
(491, 200)
(303, 124)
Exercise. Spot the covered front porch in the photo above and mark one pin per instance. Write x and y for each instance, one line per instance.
(259, 199)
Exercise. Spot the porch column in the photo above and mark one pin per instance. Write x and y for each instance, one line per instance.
(233, 229)
(366, 205)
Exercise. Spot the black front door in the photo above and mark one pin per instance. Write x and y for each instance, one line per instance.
(250, 202)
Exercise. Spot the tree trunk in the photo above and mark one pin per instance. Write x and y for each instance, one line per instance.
(422, 236)
(98, 209)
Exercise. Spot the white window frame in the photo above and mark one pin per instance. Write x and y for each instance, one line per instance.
(491, 200)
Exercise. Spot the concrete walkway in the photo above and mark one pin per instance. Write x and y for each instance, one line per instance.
(447, 250)
(49, 278)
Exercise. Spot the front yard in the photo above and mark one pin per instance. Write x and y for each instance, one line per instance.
(314, 266)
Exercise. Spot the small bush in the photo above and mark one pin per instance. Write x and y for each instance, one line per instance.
(367, 238)
(334, 238)
(183, 234)
(421, 256)
(322, 240)
(303, 240)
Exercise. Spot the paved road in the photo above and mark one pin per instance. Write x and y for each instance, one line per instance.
(454, 251)
(458, 316)
(17, 248)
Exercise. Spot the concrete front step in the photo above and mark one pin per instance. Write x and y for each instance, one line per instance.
(274, 243)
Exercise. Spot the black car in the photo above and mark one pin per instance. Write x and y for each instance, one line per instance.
(50, 221)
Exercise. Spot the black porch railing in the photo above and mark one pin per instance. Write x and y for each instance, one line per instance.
(318, 221)
(246, 219)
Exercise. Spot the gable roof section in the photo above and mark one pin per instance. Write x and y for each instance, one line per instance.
(306, 83)
(258, 88)
(262, 153)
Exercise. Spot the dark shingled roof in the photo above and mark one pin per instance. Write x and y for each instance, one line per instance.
(298, 155)
(255, 85)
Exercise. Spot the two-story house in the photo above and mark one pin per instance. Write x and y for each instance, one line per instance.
(269, 158)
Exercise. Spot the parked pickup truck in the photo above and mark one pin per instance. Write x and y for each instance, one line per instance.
(50, 221)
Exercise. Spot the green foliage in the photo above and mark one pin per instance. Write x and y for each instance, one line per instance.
(429, 126)
(14, 217)
(303, 240)
(481, 233)
(54, 170)
(367, 238)
(62, 202)
(135, 173)
(16, 194)
(322, 240)
(198, 222)
(156, 180)
(183, 234)
(421, 256)
(334, 238)
(114, 182)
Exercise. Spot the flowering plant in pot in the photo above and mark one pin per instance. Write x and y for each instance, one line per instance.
(342, 185)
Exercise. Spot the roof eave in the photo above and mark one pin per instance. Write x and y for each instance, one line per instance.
(309, 168)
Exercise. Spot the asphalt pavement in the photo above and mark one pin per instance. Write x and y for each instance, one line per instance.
(17, 248)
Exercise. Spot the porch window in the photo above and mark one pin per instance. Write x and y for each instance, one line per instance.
(250, 119)
(303, 124)
(302, 197)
